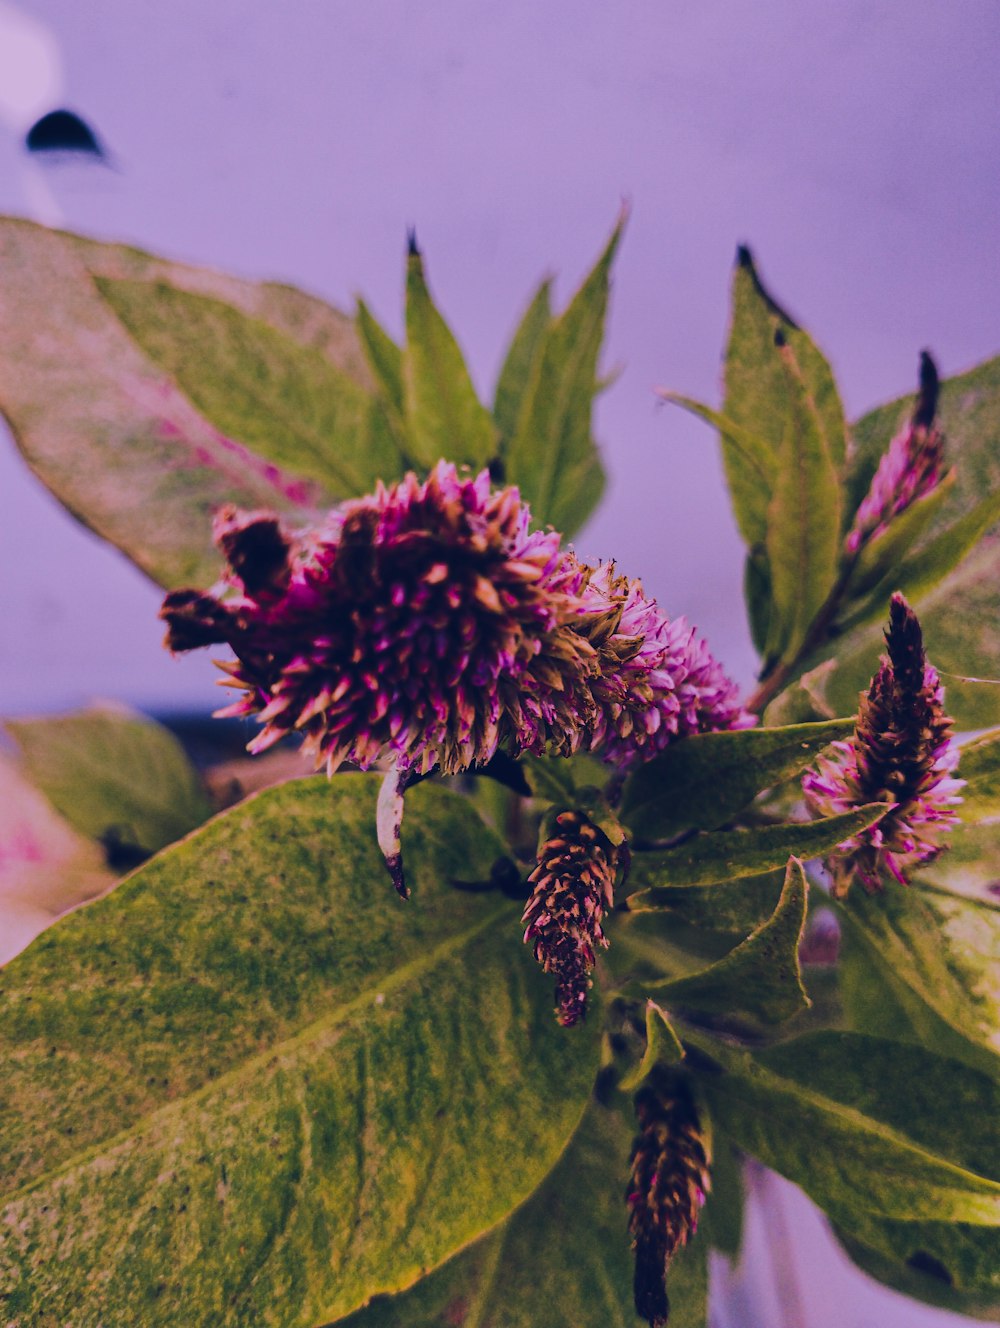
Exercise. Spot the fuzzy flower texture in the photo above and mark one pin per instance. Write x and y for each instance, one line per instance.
(428, 626)
(902, 753)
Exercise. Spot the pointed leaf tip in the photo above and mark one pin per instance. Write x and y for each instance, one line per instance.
(412, 248)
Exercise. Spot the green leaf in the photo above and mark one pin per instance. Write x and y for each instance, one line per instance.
(944, 947)
(864, 1125)
(757, 597)
(979, 766)
(46, 867)
(803, 538)
(560, 778)
(301, 1091)
(754, 452)
(115, 777)
(761, 977)
(385, 360)
(705, 780)
(663, 1047)
(521, 361)
(727, 854)
(756, 393)
(561, 1260)
(444, 416)
(551, 456)
(950, 1264)
(118, 439)
(282, 400)
(733, 907)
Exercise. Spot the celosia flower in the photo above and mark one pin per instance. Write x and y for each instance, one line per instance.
(428, 626)
(658, 680)
(911, 468)
(902, 753)
(667, 1188)
(574, 886)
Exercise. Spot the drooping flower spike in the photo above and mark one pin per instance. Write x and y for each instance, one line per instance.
(911, 468)
(573, 889)
(428, 626)
(902, 753)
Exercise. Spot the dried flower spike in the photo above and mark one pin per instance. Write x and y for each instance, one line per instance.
(902, 753)
(574, 887)
(669, 1180)
(911, 468)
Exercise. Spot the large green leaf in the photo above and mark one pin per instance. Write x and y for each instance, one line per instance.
(300, 1091)
(944, 947)
(702, 782)
(281, 400)
(761, 976)
(733, 907)
(865, 1125)
(113, 432)
(551, 456)
(562, 1259)
(115, 777)
(756, 396)
(444, 416)
(521, 361)
(803, 538)
(727, 854)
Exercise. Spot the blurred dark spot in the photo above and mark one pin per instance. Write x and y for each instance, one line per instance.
(508, 772)
(63, 131)
(930, 384)
(922, 1262)
(498, 471)
(121, 854)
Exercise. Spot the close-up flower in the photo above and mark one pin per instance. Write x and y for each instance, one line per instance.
(428, 626)
(902, 753)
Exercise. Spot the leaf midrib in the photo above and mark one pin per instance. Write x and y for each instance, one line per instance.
(397, 979)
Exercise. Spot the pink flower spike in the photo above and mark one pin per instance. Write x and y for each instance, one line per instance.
(911, 468)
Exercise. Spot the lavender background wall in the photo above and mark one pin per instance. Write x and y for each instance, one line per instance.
(854, 145)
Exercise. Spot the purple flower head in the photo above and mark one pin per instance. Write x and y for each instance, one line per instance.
(423, 623)
(911, 468)
(427, 626)
(657, 679)
(902, 753)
